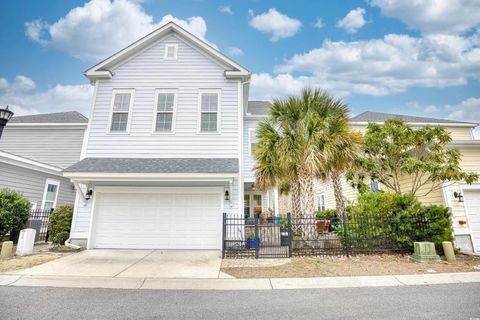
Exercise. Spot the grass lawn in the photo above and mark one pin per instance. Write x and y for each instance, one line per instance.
(360, 265)
(41, 254)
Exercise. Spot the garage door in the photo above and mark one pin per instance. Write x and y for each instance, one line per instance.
(158, 220)
(472, 204)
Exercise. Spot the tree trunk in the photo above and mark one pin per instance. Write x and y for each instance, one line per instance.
(337, 190)
(307, 205)
(296, 208)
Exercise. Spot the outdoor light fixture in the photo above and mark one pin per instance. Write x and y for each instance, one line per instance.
(88, 195)
(458, 195)
(227, 195)
(5, 115)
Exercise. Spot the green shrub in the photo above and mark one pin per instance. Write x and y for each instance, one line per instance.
(14, 211)
(59, 224)
(387, 220)
(329, 214)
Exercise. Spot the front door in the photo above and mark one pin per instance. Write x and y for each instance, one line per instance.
(253, 204)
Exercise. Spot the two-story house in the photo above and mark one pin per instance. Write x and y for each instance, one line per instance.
(168, 147)
(463, 199)
(35, 149)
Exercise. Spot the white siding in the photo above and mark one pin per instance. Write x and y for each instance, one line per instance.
(32, 184)
(57, 146)
(148, 71)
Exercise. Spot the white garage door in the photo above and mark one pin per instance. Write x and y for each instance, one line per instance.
(163, 219)
(472, 204)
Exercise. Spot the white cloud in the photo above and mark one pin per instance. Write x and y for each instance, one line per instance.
(275, 23)
(21, 83)
(234, 51)
(319, 24)
(226, 9)
(389, 65)
(353, 21)
(55, 99)
(423, 108)
(101, 27)
(433, 16)
(467, 110)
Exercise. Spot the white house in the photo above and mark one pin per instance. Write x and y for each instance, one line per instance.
(168, 147)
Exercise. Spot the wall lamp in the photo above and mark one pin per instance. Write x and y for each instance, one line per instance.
(458, 195)
(89, 194)
(227, 195)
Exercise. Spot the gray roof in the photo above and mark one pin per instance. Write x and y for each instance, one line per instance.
(258, 108)
(156, 165)
(57, 117)
(370, 116)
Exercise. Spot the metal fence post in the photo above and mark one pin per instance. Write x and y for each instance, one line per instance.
(290, 234)
(257, 237)
(224, 229)
(345, 231)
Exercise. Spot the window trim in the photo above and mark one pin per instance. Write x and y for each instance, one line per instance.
(130, 110)
(45, 189)
(321, 195)
(199, 111)
(155, 111)
(171, 45)
(250, 132)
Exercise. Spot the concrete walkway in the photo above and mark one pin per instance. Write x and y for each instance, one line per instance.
(236, 284)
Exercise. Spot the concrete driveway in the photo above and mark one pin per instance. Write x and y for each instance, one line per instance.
(133, 264)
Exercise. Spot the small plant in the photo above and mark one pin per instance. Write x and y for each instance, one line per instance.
(251, 235)
(59, 224)
(283, 224)
(14, 211)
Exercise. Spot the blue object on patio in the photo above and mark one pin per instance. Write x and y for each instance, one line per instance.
(253, 243)
(276, 220)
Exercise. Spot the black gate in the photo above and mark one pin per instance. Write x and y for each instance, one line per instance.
(253, 238)
(39, 221)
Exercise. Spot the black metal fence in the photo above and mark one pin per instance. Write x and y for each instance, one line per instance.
(300, 236)
(39, 221)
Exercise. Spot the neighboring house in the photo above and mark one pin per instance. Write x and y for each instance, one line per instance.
(33, 152)
(467, 236)
(168, 147)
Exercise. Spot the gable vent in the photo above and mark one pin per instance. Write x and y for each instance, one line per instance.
(171, 51)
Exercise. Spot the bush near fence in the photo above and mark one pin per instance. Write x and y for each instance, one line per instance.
(386, 220)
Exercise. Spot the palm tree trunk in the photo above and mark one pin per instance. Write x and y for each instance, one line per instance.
(307, 205)
(337, 190)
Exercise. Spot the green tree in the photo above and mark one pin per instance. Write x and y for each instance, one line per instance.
(59, 224)
(395, 151)
(14, 211)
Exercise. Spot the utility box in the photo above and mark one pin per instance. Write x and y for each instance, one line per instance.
(425, 252)
(26, 241)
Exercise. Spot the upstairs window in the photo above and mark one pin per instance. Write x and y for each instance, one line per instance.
(166, 102)
(321, 202)
(121, 106)
(374, 186)
(209, 111)
(171, 51)
(252, 141)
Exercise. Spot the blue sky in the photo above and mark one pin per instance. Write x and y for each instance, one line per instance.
(398, 56)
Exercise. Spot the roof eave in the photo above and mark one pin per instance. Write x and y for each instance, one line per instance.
(443, 124)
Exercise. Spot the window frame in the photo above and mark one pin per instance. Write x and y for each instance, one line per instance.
(171, 45)
(321, 196)
(130, 110)
(251, 131)
(49, 181)
(158, 91)
(218, 92)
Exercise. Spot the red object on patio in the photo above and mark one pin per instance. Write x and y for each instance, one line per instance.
(322, 226)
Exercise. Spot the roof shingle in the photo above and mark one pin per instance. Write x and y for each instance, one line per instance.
(370, 116)
(57, 117)
(258, 108)
(156, 165)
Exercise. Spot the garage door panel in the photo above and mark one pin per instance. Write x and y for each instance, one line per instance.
(472, 206)
(158, 220)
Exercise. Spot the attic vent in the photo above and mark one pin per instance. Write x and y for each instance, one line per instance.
(171, 51)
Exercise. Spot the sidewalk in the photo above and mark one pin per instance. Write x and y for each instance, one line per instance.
(237, 284)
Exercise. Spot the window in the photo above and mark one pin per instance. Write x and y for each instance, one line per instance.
(321, 202)
(171, 51)
(50, 194)
(209, 111)
(252, 141)
(165, 106)
(121, 106)
(374, 186)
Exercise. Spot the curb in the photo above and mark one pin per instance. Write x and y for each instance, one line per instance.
(237, 284)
